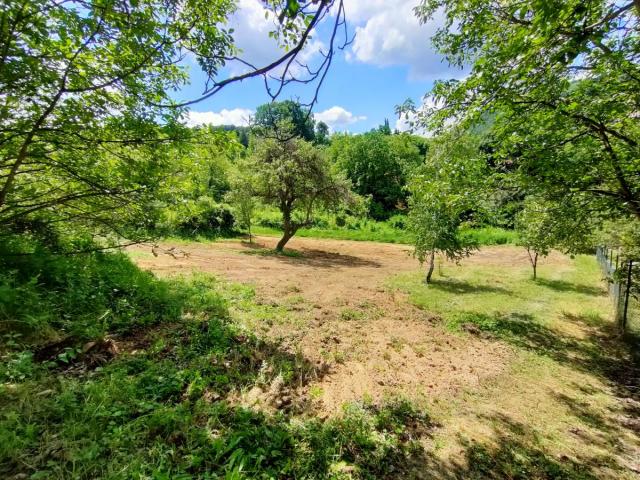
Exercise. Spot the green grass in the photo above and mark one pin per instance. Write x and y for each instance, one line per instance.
(159, 406)
(164, 405)
(346, 227)
(553, 399)
(381, 232)
(504, 298)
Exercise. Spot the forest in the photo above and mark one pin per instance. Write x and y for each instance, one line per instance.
(452, 295)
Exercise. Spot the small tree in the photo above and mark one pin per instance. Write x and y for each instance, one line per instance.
(445, 193)
(242, 199)
(436, 226)
(533, 224)
(296, 177)
(543, 225)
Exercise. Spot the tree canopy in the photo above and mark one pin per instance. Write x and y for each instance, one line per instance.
(444, 195)
(285, 119)
(296, 177)
(86, 113)
(560, 82)
(378, 165)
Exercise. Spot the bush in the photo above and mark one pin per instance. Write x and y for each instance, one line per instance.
(215, 219)
(398, 221)
(46, 295)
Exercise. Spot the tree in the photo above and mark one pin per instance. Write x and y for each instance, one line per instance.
(322, 133)
(243, 200)
(442, 196)
(532, 225)
(378, 165)
(86, 114)
(385, 128)
(561, 79)
(296, 177)
(543, 226)
(191, 196)
(284, 120)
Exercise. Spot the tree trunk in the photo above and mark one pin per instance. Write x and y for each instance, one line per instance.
(432, 257)
(534, 262)
(289, 229)
(286, 236)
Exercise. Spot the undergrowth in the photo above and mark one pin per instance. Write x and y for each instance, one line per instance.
(109, 372)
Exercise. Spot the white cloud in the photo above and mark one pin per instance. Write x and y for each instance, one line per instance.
(416, 121)
(237, 116)
(338, 117)
(403, 124)
(388, 33)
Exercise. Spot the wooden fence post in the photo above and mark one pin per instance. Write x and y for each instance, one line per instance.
(626, 296)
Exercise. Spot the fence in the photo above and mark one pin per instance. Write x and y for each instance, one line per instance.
(620, 274)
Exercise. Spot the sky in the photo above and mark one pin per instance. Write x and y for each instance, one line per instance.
(390, 60)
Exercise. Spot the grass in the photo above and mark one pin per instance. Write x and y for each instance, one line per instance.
(503, 298)
(551, 413)
(346, 227)
(381, 232)
(109, 372)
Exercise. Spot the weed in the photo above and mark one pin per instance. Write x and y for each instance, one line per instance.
(351, 314)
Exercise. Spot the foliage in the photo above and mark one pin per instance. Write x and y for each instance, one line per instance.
(191, 201)
(296, 177)
(352, 227)
(155, 407)
(322, 133)
(284, 120)
(378, 165)
(561, 80)
(88, 122)
(543, 226)
(242, 199)
(83, 136)
(83, 296)
(444, 195)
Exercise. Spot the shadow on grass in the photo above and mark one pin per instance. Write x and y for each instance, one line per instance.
(601, 351)
(461, 287)
(563, 286)
(513, 452)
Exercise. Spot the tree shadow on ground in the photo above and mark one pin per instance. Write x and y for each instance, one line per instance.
(313, 258)
(601, 351)
(563, 286)
(512, 451)
(461, 287)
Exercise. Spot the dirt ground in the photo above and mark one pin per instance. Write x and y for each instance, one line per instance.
(328, 303)
(372, 342)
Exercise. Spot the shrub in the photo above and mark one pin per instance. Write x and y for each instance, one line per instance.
(216, 219)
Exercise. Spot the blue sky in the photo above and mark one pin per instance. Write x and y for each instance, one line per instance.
(390, 60)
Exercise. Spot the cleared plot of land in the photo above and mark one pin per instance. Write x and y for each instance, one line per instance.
(522, 379)
(366, 339)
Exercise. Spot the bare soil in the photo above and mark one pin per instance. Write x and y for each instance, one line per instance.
(373, 343)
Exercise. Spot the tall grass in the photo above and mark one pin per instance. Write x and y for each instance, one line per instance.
(390, 231)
